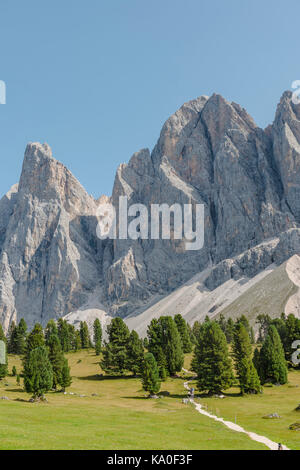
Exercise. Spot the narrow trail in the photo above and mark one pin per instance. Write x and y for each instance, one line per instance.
(234, 427)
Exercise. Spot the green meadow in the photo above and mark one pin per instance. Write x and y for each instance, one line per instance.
(113, 413)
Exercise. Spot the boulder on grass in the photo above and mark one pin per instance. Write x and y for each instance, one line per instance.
(295, 427)
(272, 416)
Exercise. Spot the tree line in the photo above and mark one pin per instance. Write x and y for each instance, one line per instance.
(222, 351)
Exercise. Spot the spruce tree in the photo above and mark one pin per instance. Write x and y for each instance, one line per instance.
(229, 330)
(38, 376)
(222, 322)
(77, 343)
(64, 334)
(252, 335)
(155, 345)
(272, 363)
(196, 330)
(165, 345)
(20, 337)
(97, 336)
(11, 338)
(150, 375)
(35, 339)
(65, 378)
(71, 336)
(171, 345)
(242, 353)
(182, 327)
(135, 353)
(84, 335)
(56, 359)
(212, 362)
(14, 371)
(115, 351)
(50, 330)
(191, 334)
(256, 360)
(244, 320)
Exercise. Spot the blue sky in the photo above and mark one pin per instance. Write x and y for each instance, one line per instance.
(97, 79)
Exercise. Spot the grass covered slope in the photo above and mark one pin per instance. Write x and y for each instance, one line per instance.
(248, 411)
(119, 417)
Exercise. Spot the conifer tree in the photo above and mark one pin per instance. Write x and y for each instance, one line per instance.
(272, 363)
(191, 334)
(135, 353)
(244, 320)
(252, 335)
(150, 375)
(229, 330)
(184, 333)
(222, 322)
(77, 342)
(171, 345)
(38, 376)
(84, 335)
(35, 339)
(242, 353)
(115, 351)
(20, 338)
(11, 338)
(14, 371)
(196, 330)
(56, 359)
(256, 360)
(65, 379)
(165, 345)
(50, 330)
(63, 334)
(97, 336)
(155, 346)
(212, 362)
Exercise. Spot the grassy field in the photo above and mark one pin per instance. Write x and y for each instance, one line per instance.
(120, 417)
(248, 411)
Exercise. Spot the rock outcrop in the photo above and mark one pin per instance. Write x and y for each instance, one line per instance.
(209, 152)
(49, 258)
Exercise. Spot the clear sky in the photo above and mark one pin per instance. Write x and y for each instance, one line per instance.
(96, 79)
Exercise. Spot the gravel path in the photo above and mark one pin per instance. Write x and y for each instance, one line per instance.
(235, 427)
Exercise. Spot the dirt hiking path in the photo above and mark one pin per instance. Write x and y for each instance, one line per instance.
(235, 427)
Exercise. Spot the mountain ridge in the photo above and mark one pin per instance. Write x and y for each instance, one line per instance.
(209, 152)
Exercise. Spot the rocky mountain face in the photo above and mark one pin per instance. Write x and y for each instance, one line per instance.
(209, 152)
(48, 251)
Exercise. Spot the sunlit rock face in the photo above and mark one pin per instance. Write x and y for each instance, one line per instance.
(48, 261)
(209, 152)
